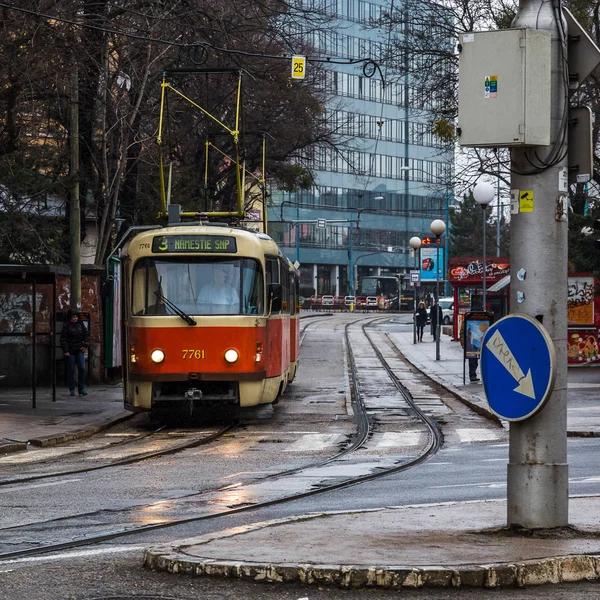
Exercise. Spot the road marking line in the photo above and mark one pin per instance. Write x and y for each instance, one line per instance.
(74, 554)
(395, 438)
(476, 435)
(315, 442)
(33, 486)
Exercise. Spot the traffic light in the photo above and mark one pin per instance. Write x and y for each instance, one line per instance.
(431, 241)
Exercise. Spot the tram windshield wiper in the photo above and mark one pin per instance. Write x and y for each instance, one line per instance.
(189, 320)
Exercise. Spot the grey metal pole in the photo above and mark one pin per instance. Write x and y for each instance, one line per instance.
(498, 216)
(415, 301)
(537, 481)
(484, 256)
(75, 211)
(438, 327)
(446, 244)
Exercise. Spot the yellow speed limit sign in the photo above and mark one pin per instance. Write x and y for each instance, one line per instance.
(298, 67)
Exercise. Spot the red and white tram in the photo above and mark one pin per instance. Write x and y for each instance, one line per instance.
(210, 319)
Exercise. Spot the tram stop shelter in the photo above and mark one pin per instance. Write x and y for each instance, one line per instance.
(28, 337)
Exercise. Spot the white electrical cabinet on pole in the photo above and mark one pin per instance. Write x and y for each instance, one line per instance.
(514, 89)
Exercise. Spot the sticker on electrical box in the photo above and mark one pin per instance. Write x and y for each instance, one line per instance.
(491, 86)
(514, 202)
(526, 201)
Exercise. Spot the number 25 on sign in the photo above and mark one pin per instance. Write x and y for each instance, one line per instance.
(298, 67)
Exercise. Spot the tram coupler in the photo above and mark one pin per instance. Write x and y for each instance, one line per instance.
(193, 394)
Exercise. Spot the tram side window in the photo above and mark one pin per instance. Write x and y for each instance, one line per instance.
(285, 289)
(145, 283)
(253, 293)
(272, 270)
(293, 295)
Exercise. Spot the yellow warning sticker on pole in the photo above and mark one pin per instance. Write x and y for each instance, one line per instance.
(298, 67)
(526, 201)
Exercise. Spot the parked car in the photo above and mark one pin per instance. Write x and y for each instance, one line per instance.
(327, 301)
(447, 305)
(339, 302)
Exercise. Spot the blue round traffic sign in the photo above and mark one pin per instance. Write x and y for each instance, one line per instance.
(518, 366)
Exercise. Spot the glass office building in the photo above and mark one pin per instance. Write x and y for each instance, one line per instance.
(387, 179)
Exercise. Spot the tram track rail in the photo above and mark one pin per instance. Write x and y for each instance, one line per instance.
(124, 461)
(79, 452)
(363, 431)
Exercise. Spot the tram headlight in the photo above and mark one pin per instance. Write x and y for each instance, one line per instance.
(157, 355)
(231, 355)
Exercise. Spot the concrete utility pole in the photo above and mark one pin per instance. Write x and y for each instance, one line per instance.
(74, 214)
(537, 482)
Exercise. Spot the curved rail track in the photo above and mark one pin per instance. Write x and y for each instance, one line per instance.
(363, 432)
(123, 461)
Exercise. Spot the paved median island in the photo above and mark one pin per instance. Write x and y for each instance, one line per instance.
(443, 545)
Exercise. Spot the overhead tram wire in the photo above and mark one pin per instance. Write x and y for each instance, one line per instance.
(368, 63)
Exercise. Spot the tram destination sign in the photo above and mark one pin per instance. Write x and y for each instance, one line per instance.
(221, 244)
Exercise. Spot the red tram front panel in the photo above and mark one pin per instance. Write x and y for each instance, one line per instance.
(198, 350)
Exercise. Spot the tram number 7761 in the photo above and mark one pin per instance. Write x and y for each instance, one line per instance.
(197, 354)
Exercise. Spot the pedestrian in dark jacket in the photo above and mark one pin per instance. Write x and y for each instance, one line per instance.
(74, 340)
(421, 316)
(437, 316)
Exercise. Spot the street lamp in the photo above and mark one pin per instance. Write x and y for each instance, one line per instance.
(437, 228)
(447, 193)
(415, 244)
(484, 194)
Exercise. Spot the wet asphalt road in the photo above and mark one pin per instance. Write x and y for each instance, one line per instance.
(113, 571)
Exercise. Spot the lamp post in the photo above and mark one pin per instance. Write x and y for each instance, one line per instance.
(415, 244)
(447, 291)
(484, 194)
(437, 228)
(447, 193)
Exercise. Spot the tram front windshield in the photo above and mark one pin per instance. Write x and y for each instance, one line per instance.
(198, 287)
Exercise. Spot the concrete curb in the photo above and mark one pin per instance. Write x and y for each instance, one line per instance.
(90, 430)
(8, 447)
(177, 559)
(474, 403)
(466, 398)
(560, 569)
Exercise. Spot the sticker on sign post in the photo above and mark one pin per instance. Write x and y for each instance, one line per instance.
(298, 67)
(526, 201)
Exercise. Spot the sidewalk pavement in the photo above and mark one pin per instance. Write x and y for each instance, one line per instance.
(444, 545)
(69, 418)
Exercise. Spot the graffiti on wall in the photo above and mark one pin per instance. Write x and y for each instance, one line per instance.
(583, 346)
(16, 312)
(580, 301)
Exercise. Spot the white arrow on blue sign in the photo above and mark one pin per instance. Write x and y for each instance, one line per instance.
(518, 366)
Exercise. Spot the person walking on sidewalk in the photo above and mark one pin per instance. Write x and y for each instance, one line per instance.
(421, 316)
(74, 340)
(436, 317)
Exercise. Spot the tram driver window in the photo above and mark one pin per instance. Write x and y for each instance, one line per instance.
(197, 287)
(217, 294)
